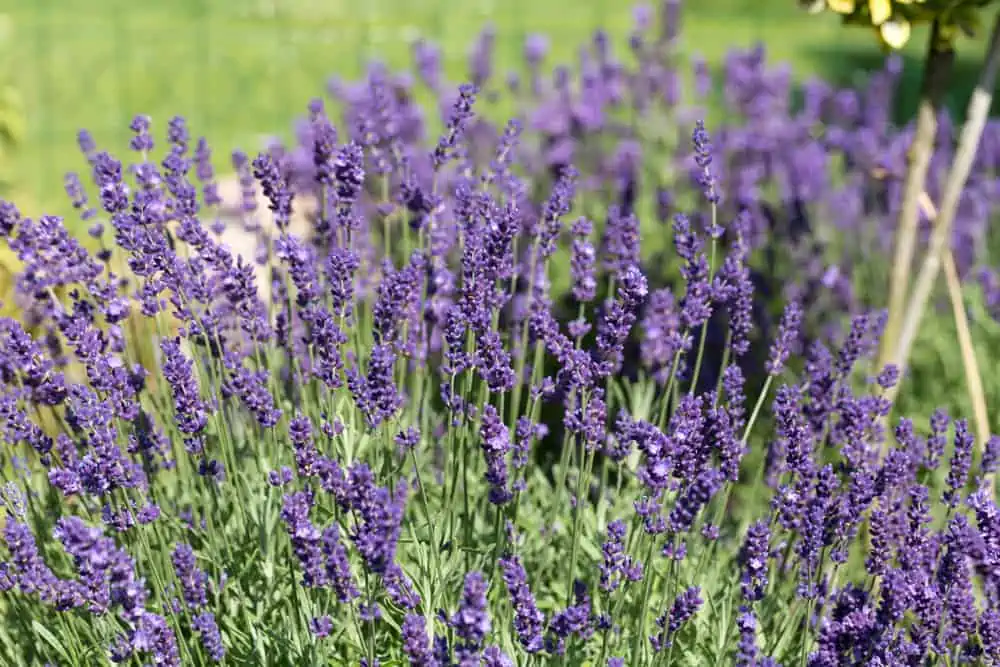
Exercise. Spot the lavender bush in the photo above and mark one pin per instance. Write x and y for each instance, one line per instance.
(412, 446)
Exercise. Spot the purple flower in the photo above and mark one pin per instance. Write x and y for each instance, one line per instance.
(205, 174)
(694, 497)
(617, 321)
(494, 657)
(620, 241)
(736, 288)
(380, 516)
(471, 622)
(458, 119)
(9, 218)
(306, 538)
(192, 579)
(190, 411)
(495, 443)
(142, 142)
(861, 340)
(275, 187)
(696, 306)
(204, 624)
(321, 626)
(558, 204)
(525, 434)
(704, 175)
(416, 644)
(338, 568)
(583, 262)
(407, 441)
(574, 620)
(991, 456)
(376, 393)
(936, 440)
(753, 561)
(399, 588)
(746, 649)
(683, 608)
(617, 565)
(661, 339)
(529, 622)
(989, 633)
(961, 461)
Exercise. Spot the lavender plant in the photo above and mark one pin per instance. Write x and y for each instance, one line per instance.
(410, 446)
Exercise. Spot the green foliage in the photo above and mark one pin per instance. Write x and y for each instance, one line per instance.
(12, 113)
(936, 379)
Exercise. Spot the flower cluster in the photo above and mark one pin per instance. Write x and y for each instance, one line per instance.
(465, 413)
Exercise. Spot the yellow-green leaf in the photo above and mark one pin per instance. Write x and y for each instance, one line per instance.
(880, 10)
(841, 6)
(895, 33)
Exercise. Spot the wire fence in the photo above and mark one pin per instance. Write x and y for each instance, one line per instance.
(240, 70)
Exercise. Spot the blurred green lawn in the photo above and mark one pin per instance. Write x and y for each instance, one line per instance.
(241, 69)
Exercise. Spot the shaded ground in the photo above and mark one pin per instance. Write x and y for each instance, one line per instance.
(239, 68)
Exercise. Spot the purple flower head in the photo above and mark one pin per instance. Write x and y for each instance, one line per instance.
(696, 307)
(78, 197)
(399, 588)
(788, 336)
(989, 633)
(9, 218)
(576, 619)
(349, 174)
(704, 176)
(861, 340)
(321, 626)
(305, 536)
(937, 439)
(495, 443)
(205, 173)
(617, 321)
(753, 561)
(458, 119)
(207, 628)
(529, 622)
(274, 184)
(190, 411)
(888, 377)
(746, 648)
(662, 338)
(471, 622)
(192, 579)
(683, 608)
(142, 142)
(991, 456)
(376, 393)
(494, 657)
(583, 262)
(380, 517)
(559, 203)
(961, 462)
(621, 240)
(407, 440)
(338, 567)
(694, 497)
(416, 643)
(617, 566)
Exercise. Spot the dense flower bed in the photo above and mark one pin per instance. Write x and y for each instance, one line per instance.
(510, 401)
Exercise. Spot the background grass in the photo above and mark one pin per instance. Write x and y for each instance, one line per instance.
(241, 69)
